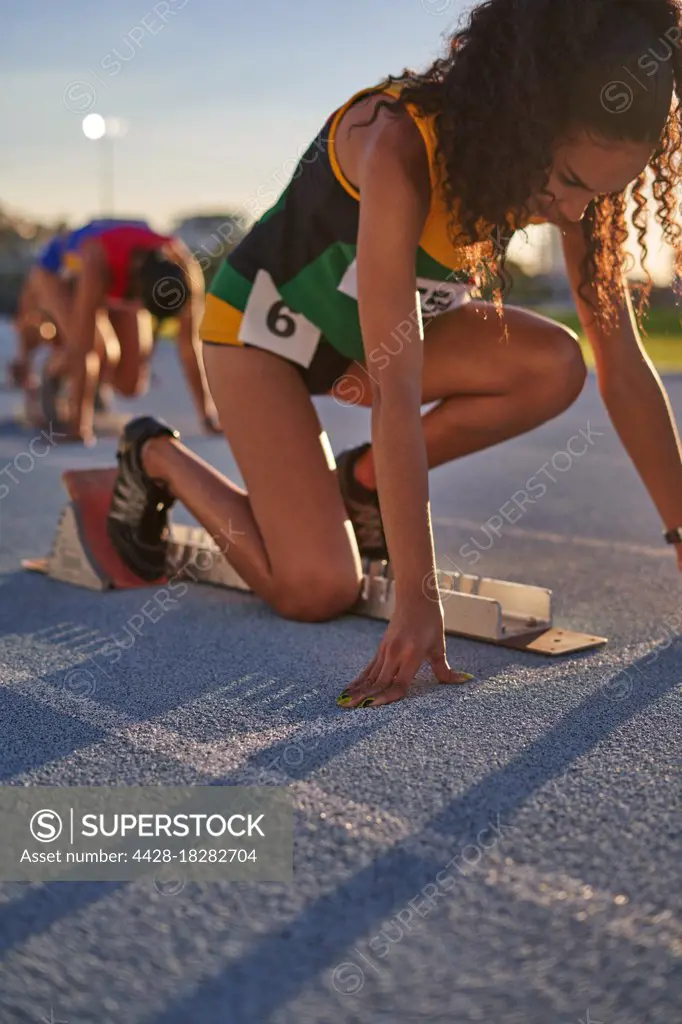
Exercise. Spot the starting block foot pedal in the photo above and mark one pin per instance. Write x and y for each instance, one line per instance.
(82, 553)
(555, 642)
(514, 615)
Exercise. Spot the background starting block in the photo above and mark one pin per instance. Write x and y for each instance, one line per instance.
(508, 614)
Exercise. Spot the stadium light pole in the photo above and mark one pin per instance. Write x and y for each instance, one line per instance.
(105, 131)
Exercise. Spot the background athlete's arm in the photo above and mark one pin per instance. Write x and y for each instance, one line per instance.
(633, 394)
(48, 296)
(189, 343)
(79, 333)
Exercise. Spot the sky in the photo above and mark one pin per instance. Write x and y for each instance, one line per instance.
(218, 95)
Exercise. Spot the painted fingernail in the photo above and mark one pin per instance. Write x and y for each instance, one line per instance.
(459, 678)
(367, 703)
(344, 699)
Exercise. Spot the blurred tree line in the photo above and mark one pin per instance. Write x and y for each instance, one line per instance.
(20, 239)
(211, 237)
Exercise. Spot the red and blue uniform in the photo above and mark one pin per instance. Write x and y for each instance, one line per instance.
(118, 238)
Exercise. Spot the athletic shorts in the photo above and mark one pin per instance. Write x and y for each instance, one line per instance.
(269, 323)
(51, 255)
(328, 364)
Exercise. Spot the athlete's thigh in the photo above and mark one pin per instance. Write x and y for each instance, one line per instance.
(133, 328)
(286, 462)
(472, 351)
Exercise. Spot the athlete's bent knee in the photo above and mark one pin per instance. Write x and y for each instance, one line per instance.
(572, 366)
(563, 370)
(316, 600)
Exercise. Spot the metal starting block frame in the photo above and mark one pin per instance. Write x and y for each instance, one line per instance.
(495, 611)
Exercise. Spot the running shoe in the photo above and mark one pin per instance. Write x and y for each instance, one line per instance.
(137, 523)
(362, 506)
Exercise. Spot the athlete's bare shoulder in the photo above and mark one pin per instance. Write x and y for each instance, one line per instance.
(369, 126)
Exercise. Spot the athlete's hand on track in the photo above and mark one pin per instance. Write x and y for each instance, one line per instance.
(416, 634)
(71, 435)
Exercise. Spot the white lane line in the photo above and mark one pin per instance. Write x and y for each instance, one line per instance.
(215, 758)
(150, 737)
(559, 538)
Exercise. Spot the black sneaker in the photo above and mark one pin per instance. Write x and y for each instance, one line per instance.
(137, 523)
(362, 506)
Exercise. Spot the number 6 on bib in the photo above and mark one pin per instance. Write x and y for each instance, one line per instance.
(270, 324)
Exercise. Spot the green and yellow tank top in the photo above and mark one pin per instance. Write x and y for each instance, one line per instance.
(292, 279)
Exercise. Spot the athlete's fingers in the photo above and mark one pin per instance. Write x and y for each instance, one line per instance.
(397, 690)
(394, 681)
(445, 674)
(375, 682)
(404, 667)
(368, 695)
(362, 682)
(370, 688)
(369, 672)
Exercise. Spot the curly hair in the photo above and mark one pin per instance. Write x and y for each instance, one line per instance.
(520, 75)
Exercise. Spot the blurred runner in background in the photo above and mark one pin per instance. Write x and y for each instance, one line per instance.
(91, 295)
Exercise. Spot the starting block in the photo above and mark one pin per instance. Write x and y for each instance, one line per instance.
(514, 615)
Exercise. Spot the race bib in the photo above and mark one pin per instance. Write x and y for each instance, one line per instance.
(441, 296)
(269, 323)
(436, 297)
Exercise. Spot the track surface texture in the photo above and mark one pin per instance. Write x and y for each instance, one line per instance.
(532, 817)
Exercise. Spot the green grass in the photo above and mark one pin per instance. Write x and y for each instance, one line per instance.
(663, 341)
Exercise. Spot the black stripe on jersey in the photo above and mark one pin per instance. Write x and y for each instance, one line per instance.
(316, 213)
